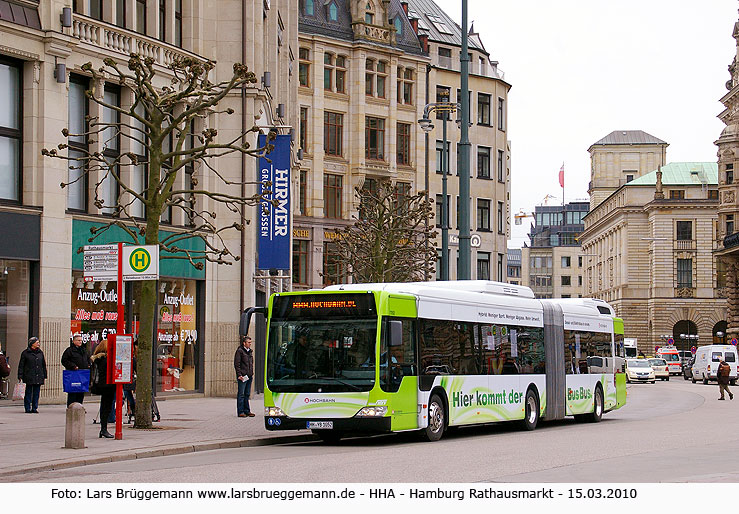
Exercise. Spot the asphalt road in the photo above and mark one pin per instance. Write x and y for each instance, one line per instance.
(668, 432)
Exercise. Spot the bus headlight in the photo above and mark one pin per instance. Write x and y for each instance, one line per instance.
(368, 412)
(273, 411)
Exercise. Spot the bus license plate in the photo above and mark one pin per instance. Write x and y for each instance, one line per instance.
(321, 425)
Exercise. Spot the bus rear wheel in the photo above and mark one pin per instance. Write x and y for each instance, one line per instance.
(531, 410)
(437, 421)
(597, 414)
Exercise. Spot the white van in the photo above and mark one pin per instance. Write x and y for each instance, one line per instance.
(707, 359)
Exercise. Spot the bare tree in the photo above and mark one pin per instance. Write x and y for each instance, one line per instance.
(391, 240)
(161, 121)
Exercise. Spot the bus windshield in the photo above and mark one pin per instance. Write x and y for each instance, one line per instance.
(321, 355)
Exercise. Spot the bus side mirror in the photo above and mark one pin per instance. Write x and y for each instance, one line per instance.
(245, 320)
(395, 331)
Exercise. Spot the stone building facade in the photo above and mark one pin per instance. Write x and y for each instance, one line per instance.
(366, 71)
(42, 86)
(652, 242)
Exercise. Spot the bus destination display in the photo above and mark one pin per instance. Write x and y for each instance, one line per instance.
(351, 305)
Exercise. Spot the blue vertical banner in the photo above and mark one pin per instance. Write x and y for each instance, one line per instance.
(274, 208)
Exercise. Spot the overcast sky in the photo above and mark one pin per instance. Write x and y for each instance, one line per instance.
(580, 69)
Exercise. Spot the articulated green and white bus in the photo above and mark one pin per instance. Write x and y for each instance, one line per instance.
(378, 358)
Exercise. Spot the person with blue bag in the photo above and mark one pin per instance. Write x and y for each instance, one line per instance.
(75, 359)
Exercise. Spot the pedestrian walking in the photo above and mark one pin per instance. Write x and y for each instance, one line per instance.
(75, 357)
(722, 375)
(244, 365)
(4, 374)
(99, 385)
(32, 372)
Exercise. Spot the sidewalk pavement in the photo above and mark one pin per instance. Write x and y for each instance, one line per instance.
(35, 442)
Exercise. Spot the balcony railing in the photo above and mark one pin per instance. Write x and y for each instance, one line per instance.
(125, 42)
(685, 244)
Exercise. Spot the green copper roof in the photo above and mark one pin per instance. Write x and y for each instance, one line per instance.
(681, 174)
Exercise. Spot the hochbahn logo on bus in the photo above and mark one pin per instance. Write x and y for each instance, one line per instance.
(579, 394)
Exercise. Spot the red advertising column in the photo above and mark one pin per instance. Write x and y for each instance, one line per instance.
(120, 329)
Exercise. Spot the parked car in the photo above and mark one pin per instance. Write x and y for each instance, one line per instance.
(688, 369)
(659, 366)
(639, 370)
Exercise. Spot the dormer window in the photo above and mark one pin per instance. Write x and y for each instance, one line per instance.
(333, 12)
(369, 16)
(398, 25)
(309, 8)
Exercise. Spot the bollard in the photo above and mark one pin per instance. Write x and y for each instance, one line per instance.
(74, 431)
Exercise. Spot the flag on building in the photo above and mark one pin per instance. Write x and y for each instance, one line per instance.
(562, 176)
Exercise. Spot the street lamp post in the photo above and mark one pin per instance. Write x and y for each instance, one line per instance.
(465, 251)
(444, 108)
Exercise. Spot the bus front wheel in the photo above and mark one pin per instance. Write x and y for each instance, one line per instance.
(531, 410)
(435, 428)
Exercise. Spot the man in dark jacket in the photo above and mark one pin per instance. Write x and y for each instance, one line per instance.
(32, 371)
(75, 357)
(244, 365)
(722, 376)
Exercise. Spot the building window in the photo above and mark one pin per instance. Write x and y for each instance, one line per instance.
(95, 9)
(404, 144)
(139, 177)
(501, 114)
(483, 266)
(110, 140)
(78, 147)
(729, 173)
(729, 224)
(369, 77)
(340, 74)
(440, 156)
(713, 194)
(304, 67)
(10, 130)
(401, 194)
(445, 57)
(381, 79)
(162, 20)
(500, 267)
(629, 178)
(369, 187)
(566, 262)
(303, 198)
(500, 217)
(374, 138)
(684, 230)
(398, 23)
(178, 23)
(483, 162)
(304, 128)
(483, 215)
(443, 94)
(328, 71)
(677, 194)
(332, 193)
(141, 16)
(579, 261)
(309, 7)
(439, 202)
(720, 273)
(501, 168)
(120, 13)
(483, 109)
(166, 166)
(566, 280)
(333, 268)
(579, 280)
(405, 85)
(685, 273)
(300, 261)
(333, 130)
(333, 12)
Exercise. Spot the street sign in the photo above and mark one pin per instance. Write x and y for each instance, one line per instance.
(140, 263)
(733, 341)
(100, 263)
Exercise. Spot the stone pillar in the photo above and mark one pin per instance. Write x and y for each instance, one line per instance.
(74, 431)
(732, 301)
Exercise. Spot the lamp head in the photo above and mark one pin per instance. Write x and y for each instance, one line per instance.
(426, 124)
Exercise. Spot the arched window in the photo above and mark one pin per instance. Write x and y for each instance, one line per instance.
(309, 7)
(333, 12)
(685, 334)
(719, 333)
(369, 16)
(398, 25)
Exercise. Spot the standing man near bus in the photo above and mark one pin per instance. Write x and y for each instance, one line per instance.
(244, 366)
(722, 376)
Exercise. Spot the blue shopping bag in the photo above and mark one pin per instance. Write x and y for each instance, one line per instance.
(76, 381)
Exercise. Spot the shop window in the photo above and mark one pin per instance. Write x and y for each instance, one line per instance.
(178, 340)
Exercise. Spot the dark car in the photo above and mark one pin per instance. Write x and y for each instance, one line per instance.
(688, 368)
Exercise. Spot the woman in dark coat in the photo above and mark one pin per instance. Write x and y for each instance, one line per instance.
(32, 371)
(106, 391)
(75, 357)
